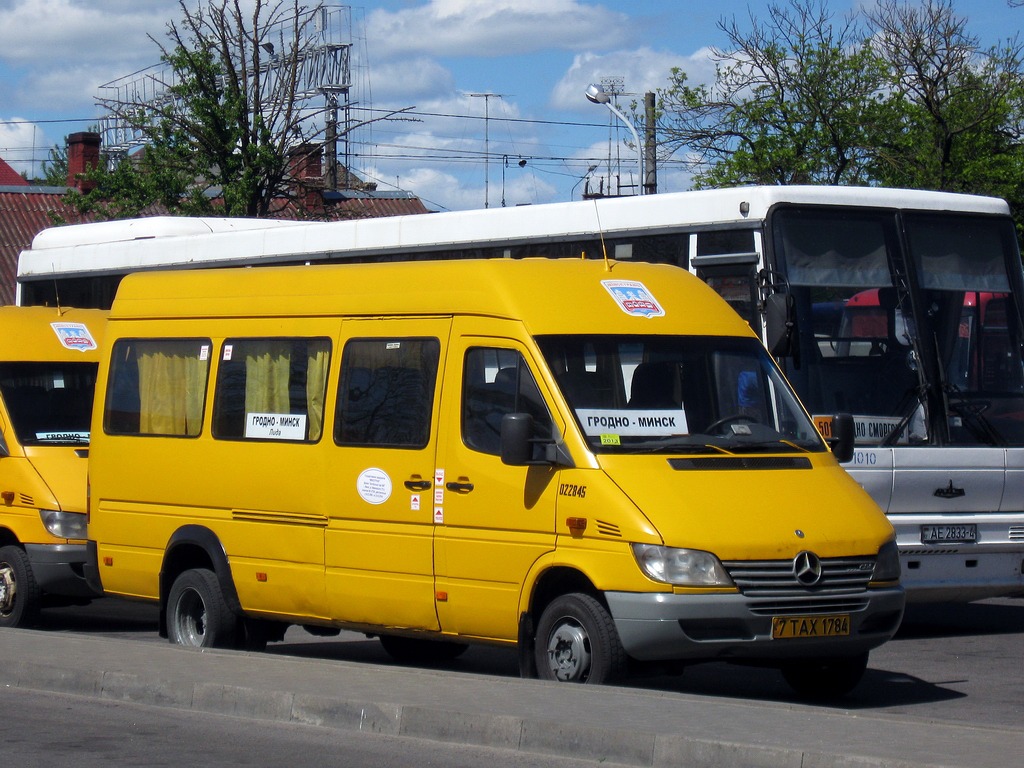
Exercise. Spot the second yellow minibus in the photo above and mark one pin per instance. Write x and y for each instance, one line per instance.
(48, 361)
(596, 463)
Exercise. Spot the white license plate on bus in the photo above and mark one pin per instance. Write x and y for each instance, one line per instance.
(949, 534)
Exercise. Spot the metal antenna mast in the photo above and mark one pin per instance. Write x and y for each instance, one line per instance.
(487, 142)
(323, 70)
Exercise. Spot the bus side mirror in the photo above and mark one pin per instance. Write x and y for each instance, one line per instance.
(516, 448)
(780, 325)
(843, 433)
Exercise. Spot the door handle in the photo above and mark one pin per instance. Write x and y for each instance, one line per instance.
(418, 485)
(459, 487)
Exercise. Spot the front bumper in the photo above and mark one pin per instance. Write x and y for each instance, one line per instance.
(664, 627)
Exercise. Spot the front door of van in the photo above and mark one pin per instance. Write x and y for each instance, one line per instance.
(493, 521)
(379, 548)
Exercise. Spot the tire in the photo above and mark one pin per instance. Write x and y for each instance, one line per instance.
(577, 642)
(822, 679)
(414, 650)
(197, 614)
(20, 595)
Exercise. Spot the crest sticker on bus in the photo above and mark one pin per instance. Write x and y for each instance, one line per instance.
(633, 298)
(74, 336)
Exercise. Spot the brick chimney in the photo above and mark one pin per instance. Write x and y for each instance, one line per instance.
(83, 155)
(306, 170)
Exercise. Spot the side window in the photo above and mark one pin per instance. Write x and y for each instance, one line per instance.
(496, 382)
(157, 387)
(386, 394)
(271, 389)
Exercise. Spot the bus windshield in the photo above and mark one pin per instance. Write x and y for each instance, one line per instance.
(678, 394)
(908, 321)
(49, 402)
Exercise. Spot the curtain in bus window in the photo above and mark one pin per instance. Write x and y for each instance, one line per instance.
(316, 386)
(958, 253)
(267, 377)
(828, 249)
(172, 386)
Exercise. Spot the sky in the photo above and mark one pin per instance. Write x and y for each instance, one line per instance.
(495, 89)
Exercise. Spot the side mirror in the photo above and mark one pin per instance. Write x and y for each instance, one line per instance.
(516, 448)
(780, 325)
(843, 433)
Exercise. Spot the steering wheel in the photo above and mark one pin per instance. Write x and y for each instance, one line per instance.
(735, 417)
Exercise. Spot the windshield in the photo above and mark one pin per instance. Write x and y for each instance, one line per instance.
(678, 394)
(49, 403)
(933, 356)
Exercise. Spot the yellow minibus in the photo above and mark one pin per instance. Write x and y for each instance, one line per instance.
(596, 463)
(48, 362)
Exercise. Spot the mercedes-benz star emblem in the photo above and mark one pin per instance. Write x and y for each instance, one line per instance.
(807, 568)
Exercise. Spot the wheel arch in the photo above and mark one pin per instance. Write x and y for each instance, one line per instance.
(195, 546)
(547, 585)
(8, 538)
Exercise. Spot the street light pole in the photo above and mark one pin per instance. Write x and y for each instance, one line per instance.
(598, 95)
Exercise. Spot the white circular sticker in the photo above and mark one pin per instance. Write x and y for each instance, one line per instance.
(373, 486)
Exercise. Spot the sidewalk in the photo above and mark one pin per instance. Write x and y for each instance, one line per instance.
(616, 725)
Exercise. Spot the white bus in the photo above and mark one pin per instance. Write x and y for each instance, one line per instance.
(902, 308)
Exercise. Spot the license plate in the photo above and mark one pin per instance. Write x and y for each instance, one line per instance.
(785, 627)
(951, 534)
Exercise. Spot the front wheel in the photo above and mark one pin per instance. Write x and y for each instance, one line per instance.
(825, 678)
(197, 614)
(20, 595)
(577, 642)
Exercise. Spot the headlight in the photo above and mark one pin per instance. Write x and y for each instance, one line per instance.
(64, 525)
(685, 567)
(887, 564)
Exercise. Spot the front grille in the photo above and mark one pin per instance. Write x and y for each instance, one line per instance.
(777, 578)
(799, 607)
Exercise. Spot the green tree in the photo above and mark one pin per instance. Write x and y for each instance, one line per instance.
(791, 102)
(55, 167)
(953, 109)
(900, 96)
(218, 140)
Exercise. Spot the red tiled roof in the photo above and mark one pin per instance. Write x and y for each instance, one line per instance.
(23, 215)
(10, 177)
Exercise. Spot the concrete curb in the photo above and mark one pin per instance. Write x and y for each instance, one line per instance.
(620, 725)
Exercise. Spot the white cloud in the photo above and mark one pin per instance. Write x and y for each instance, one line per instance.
(72, 31)
(494, 27)
(414, 79)
(642, 70)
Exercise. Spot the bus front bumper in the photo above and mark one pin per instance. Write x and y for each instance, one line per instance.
(665, 627)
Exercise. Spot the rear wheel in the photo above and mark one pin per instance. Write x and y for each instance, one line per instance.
(825, 678)
(197, 614)
(414, 650)
(577, 642)
(20, 595)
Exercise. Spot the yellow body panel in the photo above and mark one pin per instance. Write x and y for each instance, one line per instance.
(434, 537)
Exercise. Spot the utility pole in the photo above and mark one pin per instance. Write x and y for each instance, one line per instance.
(650, 146)
(487, 142)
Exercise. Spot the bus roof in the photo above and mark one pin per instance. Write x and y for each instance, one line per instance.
(162, 242)
(548, 295)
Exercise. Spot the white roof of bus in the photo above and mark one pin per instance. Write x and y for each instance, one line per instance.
(152, 243)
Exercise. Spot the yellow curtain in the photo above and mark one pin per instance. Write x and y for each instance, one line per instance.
(172, 387)
(267, 372)
(316, 384)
